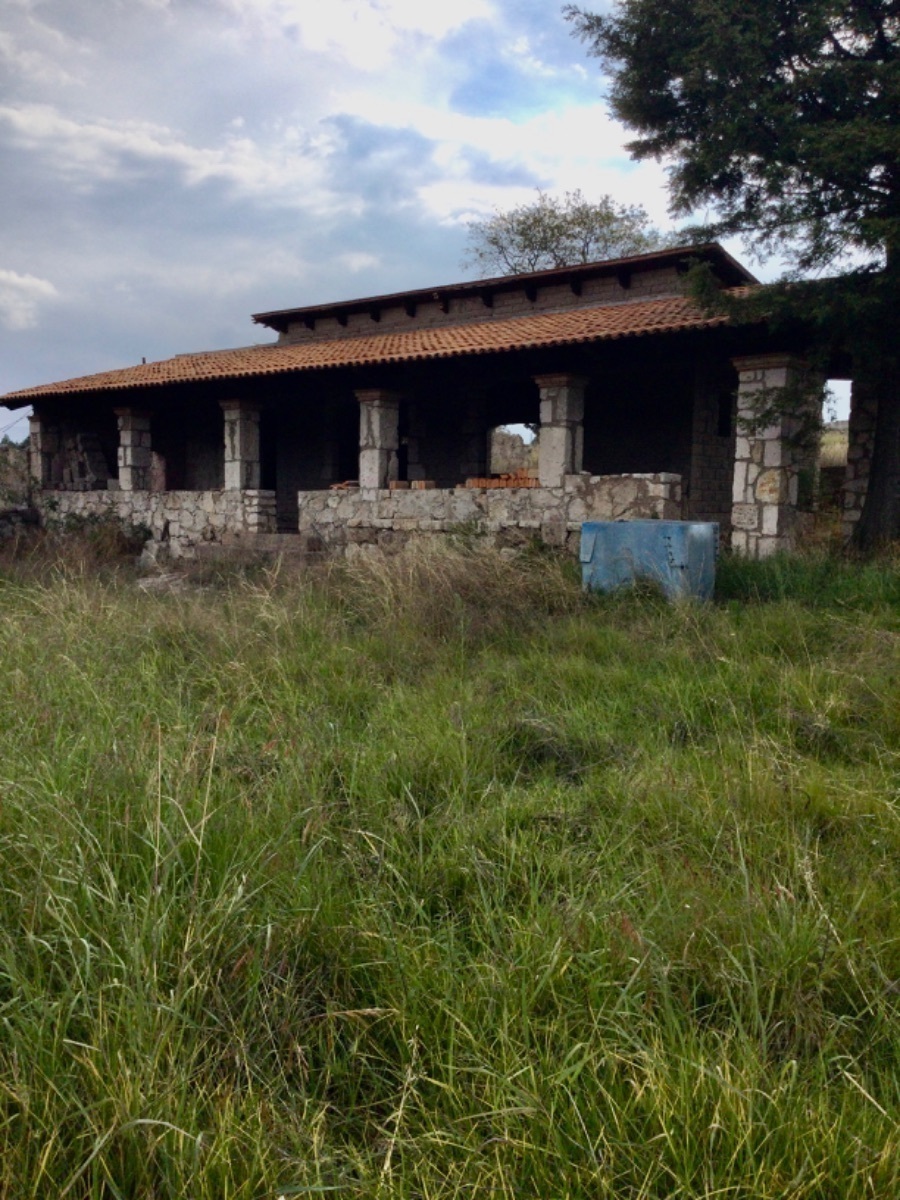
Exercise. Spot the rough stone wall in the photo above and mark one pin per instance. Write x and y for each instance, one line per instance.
(861, 440)
(644, 285)
(178, 521)
(768, 512)
(350, 520)
(70, 458)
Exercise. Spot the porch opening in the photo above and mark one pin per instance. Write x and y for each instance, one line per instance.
(513, 450)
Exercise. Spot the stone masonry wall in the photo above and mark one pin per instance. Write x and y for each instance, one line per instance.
(769, 513)
(348, 521)
(354, 520)
(177, 521)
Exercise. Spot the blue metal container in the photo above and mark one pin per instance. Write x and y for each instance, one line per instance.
(679, 556)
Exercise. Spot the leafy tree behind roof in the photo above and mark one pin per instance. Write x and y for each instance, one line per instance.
(551, 232)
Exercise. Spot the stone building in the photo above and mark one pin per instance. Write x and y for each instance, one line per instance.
(369, 421)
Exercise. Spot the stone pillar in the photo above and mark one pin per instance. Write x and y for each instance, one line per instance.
(43, 444)
(860, 444)
(768, 462)
(561, 445)
(242, 470)
(379, 422)
(134, 449)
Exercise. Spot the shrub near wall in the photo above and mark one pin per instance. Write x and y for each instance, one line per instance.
(15, 516)
(14, 481)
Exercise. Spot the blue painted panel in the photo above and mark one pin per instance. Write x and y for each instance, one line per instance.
(680, 556)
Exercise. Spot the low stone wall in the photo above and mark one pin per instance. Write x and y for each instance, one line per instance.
(352, 520)
(177, 521)
(348, 521)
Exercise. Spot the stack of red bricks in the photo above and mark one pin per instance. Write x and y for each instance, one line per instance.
(514, 479)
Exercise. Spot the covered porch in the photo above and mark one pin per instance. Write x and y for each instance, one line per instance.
(342, 466)
(371, 421)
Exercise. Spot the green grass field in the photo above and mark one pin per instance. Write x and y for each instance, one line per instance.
(437, 879)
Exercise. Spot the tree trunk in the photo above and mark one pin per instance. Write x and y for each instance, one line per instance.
(878, 359)
(879, 523)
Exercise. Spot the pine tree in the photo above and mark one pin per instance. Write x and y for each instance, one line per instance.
(782, 115)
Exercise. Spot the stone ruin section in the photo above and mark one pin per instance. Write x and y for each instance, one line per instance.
(356, 521)
(176, 522)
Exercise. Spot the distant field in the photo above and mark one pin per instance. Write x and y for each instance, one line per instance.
(438, 879)
(833, 446)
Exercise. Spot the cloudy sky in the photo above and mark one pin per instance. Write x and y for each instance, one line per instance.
(168, 167)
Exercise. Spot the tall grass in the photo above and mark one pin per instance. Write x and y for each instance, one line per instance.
(438, 879)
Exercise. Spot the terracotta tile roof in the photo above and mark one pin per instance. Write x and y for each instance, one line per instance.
(670, 314)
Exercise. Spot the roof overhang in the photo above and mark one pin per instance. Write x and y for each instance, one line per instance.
(594, 324)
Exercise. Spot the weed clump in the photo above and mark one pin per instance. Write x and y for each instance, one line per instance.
(72, 545)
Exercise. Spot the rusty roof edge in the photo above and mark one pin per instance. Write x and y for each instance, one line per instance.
(276, 318)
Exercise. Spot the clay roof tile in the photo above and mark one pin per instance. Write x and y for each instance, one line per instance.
(598, 323)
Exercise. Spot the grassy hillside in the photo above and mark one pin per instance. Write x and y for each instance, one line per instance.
(439, 880)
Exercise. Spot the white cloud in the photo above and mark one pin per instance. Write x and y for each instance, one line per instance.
(434, 19)
(523, 54)
(238, 269)
(32, 63)
(182, 163)
(575, 147)
(20, 297)
(290, 170)
(358, 261)
(366, 34)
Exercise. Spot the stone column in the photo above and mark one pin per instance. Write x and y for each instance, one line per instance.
(379, 421)
(768, 462)
(860, 444)
(134, 449)
(242, 470)
(43, 444)
(561, 445)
